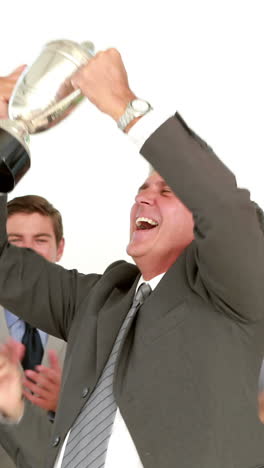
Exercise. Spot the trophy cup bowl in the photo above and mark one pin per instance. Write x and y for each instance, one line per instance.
(42, 97)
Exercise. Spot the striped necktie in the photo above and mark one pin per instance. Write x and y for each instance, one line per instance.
(89, 436)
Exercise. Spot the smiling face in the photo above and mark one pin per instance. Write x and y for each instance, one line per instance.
(34, 231)
(161, 227)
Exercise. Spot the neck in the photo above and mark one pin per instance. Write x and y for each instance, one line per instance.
(151, 267)
(150, 271)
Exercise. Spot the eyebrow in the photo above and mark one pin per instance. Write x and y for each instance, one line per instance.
(14, 234)
(146, 185)
(143, 186)
(44, 234)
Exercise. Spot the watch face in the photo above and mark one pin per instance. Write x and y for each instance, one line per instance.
(139, 105)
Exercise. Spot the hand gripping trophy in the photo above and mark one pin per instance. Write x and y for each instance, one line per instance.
(43, 96)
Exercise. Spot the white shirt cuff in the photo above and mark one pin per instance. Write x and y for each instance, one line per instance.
(147, 125)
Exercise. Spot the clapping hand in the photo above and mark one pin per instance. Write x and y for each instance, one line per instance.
(11, 376)
(42, 386)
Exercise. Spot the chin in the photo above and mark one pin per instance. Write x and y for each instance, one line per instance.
(136, 252)
(130, 250)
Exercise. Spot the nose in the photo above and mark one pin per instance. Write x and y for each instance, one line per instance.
(28, 244)
(146, 197)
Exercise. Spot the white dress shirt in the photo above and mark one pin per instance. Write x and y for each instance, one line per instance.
(121, 451)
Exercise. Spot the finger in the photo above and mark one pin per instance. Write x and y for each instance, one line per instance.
(15, 73)
(54, 360)
(43, 374)
(40, 380)
(36, 400)
(17, 349)
(36, 378)
(53, 376)
(3, 111)
(37, 389)
(5, 94)
(13, 350)
(32, 375)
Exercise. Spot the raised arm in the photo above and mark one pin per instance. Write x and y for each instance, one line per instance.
(228, 253)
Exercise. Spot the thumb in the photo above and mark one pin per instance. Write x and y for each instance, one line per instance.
(14, 350)
(3, 109)
(15, 73)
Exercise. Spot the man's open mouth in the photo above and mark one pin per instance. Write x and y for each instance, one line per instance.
(145, 223)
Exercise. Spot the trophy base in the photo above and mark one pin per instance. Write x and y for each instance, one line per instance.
(14, 160)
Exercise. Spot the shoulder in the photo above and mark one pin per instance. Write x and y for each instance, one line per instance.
(121, 274)
(121, 271)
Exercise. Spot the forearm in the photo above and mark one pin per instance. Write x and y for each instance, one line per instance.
(189, 165)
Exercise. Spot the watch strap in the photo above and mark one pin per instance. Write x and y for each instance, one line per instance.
(131, 114)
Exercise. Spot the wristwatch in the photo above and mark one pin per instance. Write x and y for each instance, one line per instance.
(135, 108)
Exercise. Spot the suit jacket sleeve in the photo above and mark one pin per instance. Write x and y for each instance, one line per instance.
(27, 442)
(41, 292)
(226, 260)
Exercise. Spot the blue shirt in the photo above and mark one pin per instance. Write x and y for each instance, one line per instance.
(16, 327)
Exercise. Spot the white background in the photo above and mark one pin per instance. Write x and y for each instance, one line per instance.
(203, 58)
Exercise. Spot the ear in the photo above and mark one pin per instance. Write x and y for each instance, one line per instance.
(60, 249)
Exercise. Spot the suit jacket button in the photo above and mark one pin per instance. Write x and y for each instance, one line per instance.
(56, 441)
(85, 392)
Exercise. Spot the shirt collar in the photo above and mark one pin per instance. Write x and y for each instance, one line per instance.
(11, 318)
(153, 282)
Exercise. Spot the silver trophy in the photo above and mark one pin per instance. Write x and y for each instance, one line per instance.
(42, 97)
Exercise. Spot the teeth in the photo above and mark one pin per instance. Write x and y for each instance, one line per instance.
(146, 220)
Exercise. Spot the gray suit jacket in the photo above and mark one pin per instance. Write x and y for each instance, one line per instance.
(17, 451)
(186, 380)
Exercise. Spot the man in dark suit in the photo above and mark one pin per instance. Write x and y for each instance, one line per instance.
(34, 223)
(184, 388)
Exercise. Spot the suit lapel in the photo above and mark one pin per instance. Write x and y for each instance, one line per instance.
(171, 290)
(4, 332)
(57, 345)
(109, 322)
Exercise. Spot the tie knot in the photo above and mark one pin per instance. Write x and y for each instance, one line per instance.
(28, 326)
(142, 293)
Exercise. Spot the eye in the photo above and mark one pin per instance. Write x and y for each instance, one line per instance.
(14, 241)
(166, 190)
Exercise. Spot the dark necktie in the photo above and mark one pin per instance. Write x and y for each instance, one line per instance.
(90, 434)
(34, 349)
